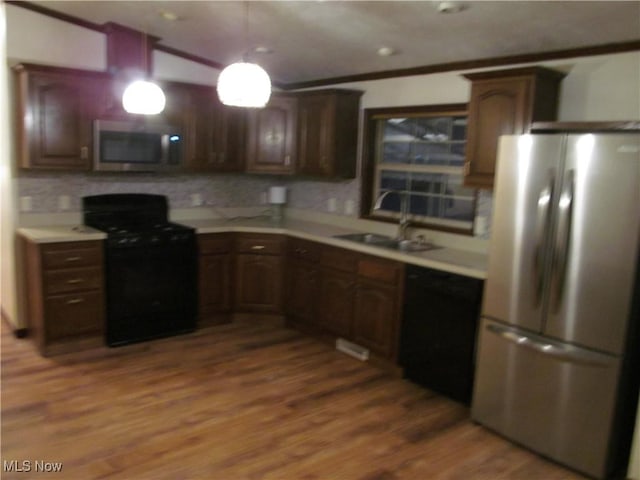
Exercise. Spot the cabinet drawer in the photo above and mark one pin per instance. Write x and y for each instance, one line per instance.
(260, 245)
(74, 315)
(72, 279)
(214, 243)
(304, 250)
(340, 259)
(76, 254)
(379, 270)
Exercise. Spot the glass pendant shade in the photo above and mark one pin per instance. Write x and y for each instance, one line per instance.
(143, 97)
(244, 85)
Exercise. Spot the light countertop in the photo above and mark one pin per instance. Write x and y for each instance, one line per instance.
(463, 262)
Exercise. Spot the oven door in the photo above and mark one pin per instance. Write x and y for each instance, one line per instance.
(151, 292)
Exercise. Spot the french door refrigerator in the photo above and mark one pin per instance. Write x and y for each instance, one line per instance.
(557, 360)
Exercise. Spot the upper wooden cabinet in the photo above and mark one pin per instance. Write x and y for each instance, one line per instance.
(272, 136)
(56, 107)
(505, 102)
(214, 133)
(328, 133)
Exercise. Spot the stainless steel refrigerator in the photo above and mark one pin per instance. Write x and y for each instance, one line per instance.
(557, 359)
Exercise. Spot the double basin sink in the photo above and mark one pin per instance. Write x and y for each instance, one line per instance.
(383, 241)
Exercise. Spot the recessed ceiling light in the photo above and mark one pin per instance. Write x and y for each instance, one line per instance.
(451, 7)
(168, 15)
(386, 51)
(262, 49)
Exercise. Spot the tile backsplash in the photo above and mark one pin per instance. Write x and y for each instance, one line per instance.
(45, 190)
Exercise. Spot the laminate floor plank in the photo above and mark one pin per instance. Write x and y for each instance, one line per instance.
(249, 400)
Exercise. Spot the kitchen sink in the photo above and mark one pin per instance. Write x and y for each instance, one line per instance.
(384, 241)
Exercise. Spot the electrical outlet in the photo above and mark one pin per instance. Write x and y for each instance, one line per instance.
(332, 205)
(196, 200)
(64, 202)
(26, 204)
(349, 207)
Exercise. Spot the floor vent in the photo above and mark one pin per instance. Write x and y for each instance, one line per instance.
(352, 349)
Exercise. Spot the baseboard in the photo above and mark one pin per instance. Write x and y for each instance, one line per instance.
(17, 332)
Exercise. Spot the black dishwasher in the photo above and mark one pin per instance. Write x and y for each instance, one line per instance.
(437, 344)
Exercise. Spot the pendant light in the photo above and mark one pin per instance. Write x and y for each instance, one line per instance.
(143, 96)
(244, 84)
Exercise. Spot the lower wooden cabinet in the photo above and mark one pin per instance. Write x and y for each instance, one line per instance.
(259, 267)
(215, 277)
(342, 293)
(336, 297)
(64, 291)
(302, 284)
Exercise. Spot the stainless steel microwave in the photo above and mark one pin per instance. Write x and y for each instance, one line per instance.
(136, 146)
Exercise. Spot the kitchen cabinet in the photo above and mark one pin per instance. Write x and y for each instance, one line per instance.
(214, 133)
(56, 107)
(215, 277)
(505, 102)
(64, 285)
(328, 133)
(271, 136)
(302, 284)
(337, 291)
(378, 305)
(259, 273)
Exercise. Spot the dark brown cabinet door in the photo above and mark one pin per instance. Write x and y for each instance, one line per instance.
(272, 136)
(336, 300)
(328, 133)
(376, 318)
(217, 138)
(505, 103)
(315, 121)
(302, 292)
(60, 133)
(259, 283)
(215, 284)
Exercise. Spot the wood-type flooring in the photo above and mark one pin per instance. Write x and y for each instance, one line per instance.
(247, 400)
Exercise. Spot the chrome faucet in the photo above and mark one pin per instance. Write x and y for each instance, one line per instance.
(404, 222)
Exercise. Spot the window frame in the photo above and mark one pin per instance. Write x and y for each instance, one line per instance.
(370, 153)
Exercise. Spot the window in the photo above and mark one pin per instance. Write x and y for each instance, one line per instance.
(414, 164)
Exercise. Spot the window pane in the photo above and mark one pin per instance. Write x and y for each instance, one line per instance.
(419, 162)
(394, 181)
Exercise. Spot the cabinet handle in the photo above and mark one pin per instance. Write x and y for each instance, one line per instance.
(257, 247)
(287, 160)
(75, 301)
(84, 153)
(72, 259)
(74, 281)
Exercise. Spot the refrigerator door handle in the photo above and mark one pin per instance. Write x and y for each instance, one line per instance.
(542, 227)
(562, 240)
(563, 352)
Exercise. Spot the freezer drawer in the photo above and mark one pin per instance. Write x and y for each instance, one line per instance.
(556, 399)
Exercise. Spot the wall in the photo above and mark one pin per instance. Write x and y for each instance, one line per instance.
(7, 191)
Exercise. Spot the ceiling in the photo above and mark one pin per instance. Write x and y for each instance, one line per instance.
(319, 40)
